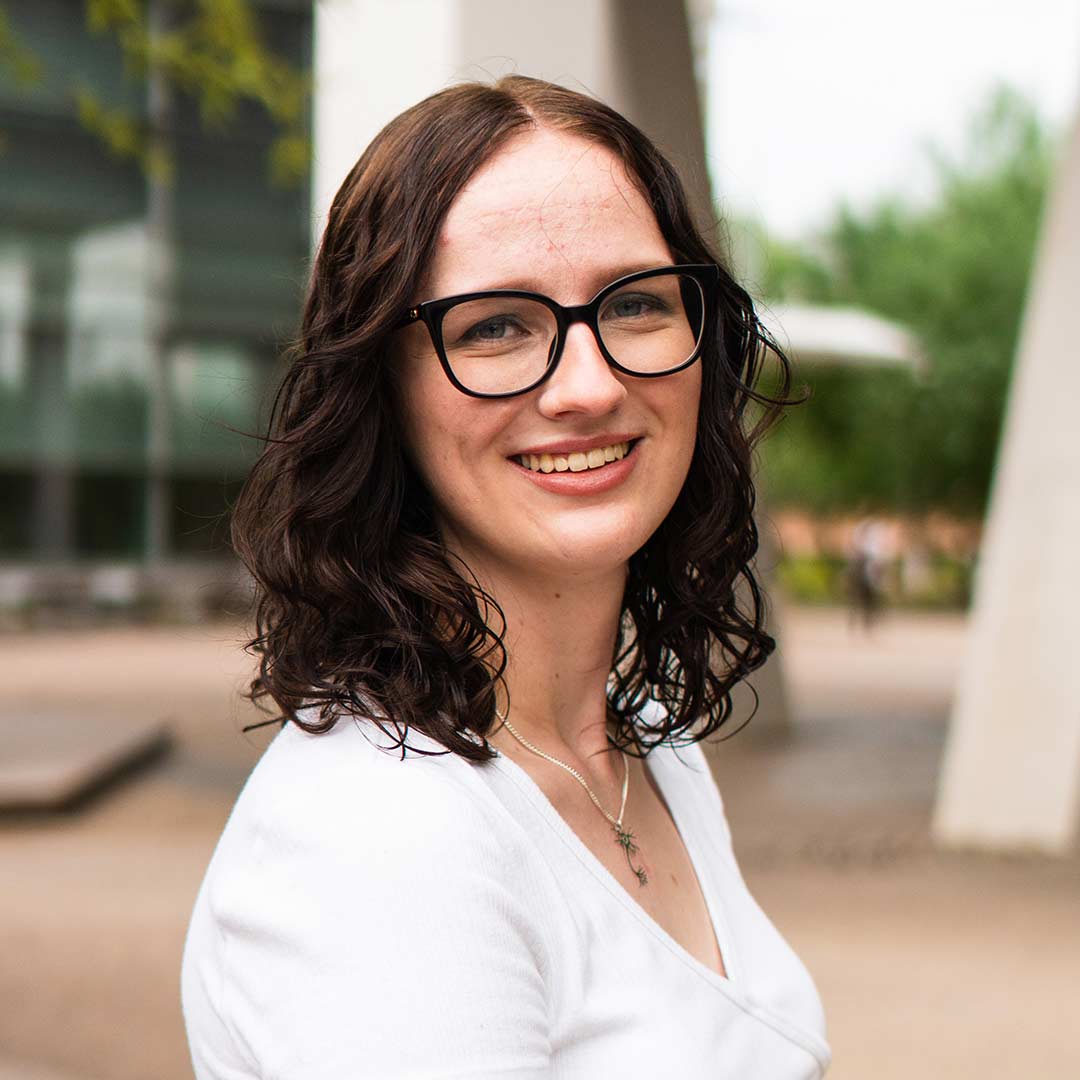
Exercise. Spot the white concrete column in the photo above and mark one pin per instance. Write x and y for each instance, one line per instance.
(373, 59)
(1011, 774)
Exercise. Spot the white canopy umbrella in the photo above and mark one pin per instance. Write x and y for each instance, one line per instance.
(816, 334)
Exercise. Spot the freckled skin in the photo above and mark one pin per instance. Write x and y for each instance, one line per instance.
(556, 214)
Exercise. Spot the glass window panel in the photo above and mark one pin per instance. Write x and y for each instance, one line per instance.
(199, 507)
(15, 427)
(108, 353)
(108, 514)
(16, 513)
(214, 388)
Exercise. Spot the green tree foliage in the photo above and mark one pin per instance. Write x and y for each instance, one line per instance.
(210, 50)
(954, 272)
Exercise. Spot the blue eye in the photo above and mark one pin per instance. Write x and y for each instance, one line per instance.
(491, 330)
(633, 306)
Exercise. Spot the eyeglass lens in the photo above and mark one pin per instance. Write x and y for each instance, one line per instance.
(496, 345)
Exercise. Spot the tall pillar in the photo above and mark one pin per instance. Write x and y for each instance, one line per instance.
(159, 286)
(1011, 775)
(374, 59)
(53, 526)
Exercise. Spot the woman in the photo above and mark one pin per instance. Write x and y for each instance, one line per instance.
(496, 535)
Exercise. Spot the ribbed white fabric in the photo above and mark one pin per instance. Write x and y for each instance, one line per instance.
(368, 916)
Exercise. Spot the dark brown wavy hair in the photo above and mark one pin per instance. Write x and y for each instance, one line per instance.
(360, 610)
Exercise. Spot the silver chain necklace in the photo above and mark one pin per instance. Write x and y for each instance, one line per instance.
(623, 837)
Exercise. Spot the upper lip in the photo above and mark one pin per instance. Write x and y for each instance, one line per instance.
(578, 446)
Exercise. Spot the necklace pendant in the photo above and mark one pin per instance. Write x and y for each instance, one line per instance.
(625, 839)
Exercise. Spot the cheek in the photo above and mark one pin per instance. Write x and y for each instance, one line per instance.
(679, 407)
(692, 403)
(447, 434)
(430, 444)
(419, 393)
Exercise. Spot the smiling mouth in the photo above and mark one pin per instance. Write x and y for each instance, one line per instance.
(579, 461)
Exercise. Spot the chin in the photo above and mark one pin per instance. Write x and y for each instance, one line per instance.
(591, 548)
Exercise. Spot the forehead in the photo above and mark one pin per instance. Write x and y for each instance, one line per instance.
(550, 211)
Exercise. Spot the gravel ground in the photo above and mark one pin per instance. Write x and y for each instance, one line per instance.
(930, 964)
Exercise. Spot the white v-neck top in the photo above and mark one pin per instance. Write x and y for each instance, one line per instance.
(369, 916)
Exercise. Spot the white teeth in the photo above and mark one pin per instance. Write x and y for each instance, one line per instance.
(578, 461)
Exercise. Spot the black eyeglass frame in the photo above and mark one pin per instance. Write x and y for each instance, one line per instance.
(432, 312)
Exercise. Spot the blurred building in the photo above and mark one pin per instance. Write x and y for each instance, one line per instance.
(140, 322)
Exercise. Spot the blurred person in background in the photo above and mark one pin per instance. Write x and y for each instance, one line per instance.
(868, 555)
(496, 531)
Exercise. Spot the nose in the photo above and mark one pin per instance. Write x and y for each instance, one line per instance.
(583, 382)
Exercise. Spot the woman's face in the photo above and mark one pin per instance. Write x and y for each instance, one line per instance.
(554, 214)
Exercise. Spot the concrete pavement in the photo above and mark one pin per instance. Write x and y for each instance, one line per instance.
(930, 964)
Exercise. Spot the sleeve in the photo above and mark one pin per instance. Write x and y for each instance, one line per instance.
(394, 943)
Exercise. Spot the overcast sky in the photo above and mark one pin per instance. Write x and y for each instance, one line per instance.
(813, 100)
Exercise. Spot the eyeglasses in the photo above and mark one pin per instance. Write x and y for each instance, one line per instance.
(503, 342)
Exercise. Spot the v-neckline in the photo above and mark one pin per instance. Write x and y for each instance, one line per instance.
(678, 812)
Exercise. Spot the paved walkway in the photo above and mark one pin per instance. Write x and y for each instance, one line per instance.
(930, 964)
(858, 770)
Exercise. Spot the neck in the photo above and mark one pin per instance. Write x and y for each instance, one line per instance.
(559, 638)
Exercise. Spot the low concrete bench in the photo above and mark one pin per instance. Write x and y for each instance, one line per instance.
(52, 761)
